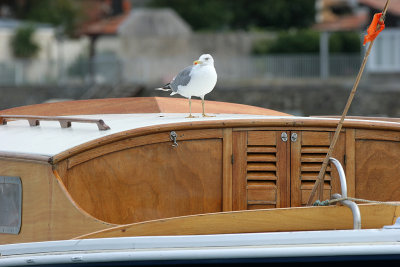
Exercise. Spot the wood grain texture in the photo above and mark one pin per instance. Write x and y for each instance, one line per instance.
(261, 138)
(136, 105)
(377, 135)
(48, 214)
(350, 168)
(377, 170)
(150, 182)
(227, 170)
(140, 141)
(295, 171)
(272, 220)
(239, 170)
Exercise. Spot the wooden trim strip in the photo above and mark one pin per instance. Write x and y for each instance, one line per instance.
(65, 122)
(24, 157)
(256, 221)
(227, 170)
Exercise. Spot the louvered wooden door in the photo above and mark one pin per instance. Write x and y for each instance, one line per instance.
(260, 170)
(307, 155)
(276, 169)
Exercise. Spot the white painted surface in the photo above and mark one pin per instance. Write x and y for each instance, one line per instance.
(229, 246)
(49, 138)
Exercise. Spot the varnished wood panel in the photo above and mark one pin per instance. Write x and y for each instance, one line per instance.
(255, 221)
(47, 213)
(227, 170)
(135, 105)
(239, 140)
(315, 138)
(283, 171)
(295, 171)
(150, 182)
(377, 135)
(261, 192)
(377, 170)
(350, 168)
(140, 141)
(261, 138)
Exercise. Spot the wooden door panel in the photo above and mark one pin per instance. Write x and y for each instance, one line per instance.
(150, 182)
(377, 170)
(260, 170)
(307, 155)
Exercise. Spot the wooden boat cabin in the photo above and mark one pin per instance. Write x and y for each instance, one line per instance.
(72, 168)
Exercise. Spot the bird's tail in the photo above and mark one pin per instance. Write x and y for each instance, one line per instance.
(165, 88)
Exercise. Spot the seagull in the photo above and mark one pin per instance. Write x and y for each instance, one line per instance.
(196, 80)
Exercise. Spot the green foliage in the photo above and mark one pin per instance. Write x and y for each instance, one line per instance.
(307, 41)
(304, 41)
(345, 42)
(201, 15)
(64, 13)
(22, 43)
(242, 14)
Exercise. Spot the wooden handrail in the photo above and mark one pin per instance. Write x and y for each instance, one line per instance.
(65, 122)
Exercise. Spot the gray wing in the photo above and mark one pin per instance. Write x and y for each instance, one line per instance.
(183, 78)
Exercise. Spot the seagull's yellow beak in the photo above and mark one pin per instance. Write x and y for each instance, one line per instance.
(196, 62)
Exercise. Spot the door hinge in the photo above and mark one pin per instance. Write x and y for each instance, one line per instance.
(232, 159)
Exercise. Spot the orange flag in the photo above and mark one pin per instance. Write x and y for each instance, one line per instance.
(374, 29)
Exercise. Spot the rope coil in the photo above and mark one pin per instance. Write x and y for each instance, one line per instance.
(331, 201)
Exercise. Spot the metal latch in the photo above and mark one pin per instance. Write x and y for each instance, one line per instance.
(284, 137)
(293, 137)
(173, 136)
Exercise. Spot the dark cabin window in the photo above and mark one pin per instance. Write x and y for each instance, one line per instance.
(10, 204)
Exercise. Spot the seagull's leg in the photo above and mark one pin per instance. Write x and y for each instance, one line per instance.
(202, 103)
(190, 109)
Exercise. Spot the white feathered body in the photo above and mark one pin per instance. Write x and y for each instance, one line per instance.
(198, 79)
(202, 81)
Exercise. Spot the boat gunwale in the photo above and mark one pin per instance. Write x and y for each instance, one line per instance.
(284, 122)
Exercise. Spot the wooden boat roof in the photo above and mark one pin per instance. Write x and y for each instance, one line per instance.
(135, 105)
(44, 142)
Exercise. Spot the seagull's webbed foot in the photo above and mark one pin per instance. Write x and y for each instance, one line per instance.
(208, 116)
(191, 116)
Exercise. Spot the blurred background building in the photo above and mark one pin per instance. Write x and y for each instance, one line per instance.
(299, 57)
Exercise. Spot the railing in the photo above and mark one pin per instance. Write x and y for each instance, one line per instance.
(65, 122)
(353, 206)
(156, 70)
